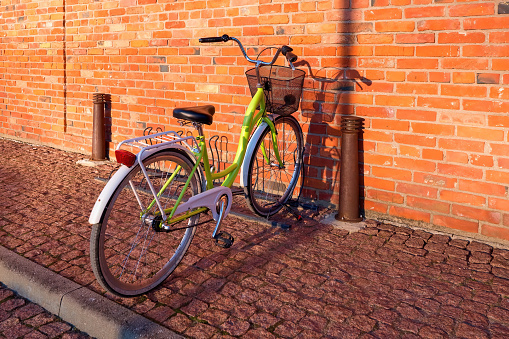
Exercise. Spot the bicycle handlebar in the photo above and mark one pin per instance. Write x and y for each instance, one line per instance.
(223, 38)
(286, 50)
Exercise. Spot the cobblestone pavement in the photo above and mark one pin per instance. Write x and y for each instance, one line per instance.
(19, 318)
(311, 281)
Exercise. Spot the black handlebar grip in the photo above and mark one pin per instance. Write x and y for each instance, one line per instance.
(222, 38)
(291, 57)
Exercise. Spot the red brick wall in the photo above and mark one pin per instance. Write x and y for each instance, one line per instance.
(429, 77)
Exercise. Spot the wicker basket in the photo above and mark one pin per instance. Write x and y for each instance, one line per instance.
(282, 87)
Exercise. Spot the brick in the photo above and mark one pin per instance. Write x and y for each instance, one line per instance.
(463, 198)
(503, 8)
(432, 154)
(444, 103)
(484, 51)
(428, 204)
(384, 196)
(486, 105)
(375, 38)
(390, 124)
(460, 171)
(488, 78)
(465, 63)
(417, 190)
(410, 88)
(420, 38)
(459, 224)
(497, 176)
(481, 160)
(476, 214)
(408, 213)
(438, 25)
(422, 12)
(499, 37)
(382, 184)
(411, 139)
(431, 128)
(409, 151)
(464, 145)
(307, 17)
(495, 232)
(439, 77)
(394, 100)
(472, 9)
(383, 14)
(463, 77)
(394, 26)
(419, 115)
(480, 133)
(414, 164)
(499, 93)
(391, 173)
(464, 90)
(394, 51)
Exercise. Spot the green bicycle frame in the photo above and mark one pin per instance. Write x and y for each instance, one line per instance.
(251, 119)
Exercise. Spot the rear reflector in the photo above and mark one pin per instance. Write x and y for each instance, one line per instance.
(125, 157)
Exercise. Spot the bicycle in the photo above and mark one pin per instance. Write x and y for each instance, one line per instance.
(146, 216)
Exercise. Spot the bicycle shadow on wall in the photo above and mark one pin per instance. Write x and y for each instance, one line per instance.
(323, 106)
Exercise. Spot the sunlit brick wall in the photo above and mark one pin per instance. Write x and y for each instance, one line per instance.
(429, 77)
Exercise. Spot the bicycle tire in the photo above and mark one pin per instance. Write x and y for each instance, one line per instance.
(268, 186)
(128, 256)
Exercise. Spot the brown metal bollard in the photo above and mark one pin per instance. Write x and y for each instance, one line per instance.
(99, 133)
(349, 209)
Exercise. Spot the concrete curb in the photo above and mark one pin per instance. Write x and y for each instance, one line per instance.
(87, 310)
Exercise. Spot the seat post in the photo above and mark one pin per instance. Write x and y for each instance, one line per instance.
(198, 128)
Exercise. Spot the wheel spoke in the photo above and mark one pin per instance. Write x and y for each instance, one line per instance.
(270, 185)
(129, 256)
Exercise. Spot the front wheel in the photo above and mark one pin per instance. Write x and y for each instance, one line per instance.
(130, 255)
(269, 183)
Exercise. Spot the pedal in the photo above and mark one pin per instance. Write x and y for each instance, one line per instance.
(224, 239)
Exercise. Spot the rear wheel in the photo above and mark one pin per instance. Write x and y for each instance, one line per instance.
(270, 184)
(130, 255)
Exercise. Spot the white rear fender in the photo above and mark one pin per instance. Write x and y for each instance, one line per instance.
(107, 192)
(244, 170)
(116, 179)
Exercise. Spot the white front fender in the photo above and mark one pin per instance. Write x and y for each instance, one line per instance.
(244, 170)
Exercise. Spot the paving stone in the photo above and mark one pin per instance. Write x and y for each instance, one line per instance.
(160, 314)
(195, 308)
(214, 317)
(287, 330)
(467, 331)
(258, 333)
(54, 329)
(501, 315)
(178, 323)
(430, 332)
(235, 326)
(475, 246)
(439, 238)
